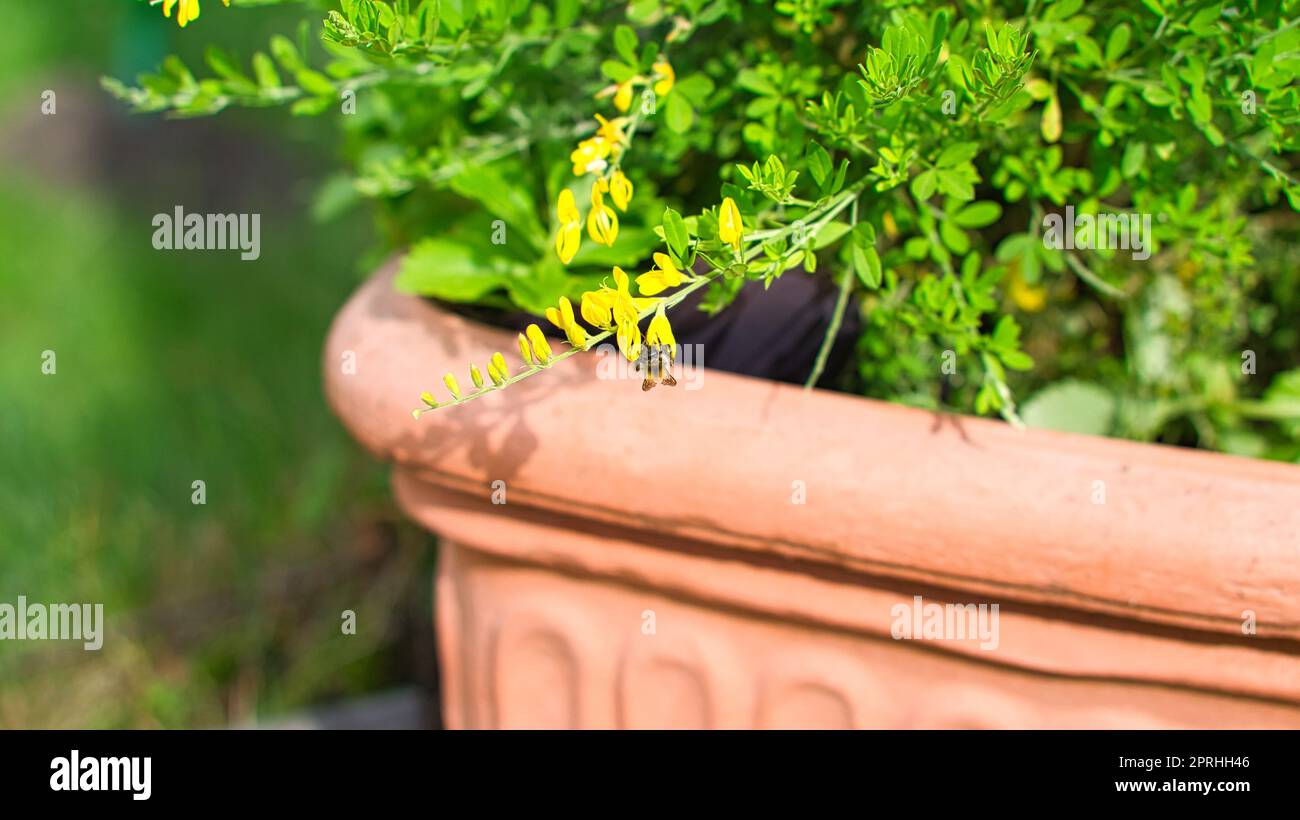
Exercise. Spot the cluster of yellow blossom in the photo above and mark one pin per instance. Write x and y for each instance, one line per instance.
(612, 310)
(591, 156)
(616, 310)
(187, 10)
(596, 155)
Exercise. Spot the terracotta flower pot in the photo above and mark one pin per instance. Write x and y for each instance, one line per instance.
(653, 565)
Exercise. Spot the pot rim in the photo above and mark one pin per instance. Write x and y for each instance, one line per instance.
(1182, 537)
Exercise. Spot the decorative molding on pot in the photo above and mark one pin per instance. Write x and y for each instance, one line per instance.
(686, 496)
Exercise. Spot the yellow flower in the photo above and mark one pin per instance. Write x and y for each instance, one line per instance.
(627, 308)
(495, 375)
(616, 308)
(563, 319)
(187, 12)
(597, 307)
(541, 347)
(660, 332)
(611, 130)
(525, 352)
(667, 77)
(1029, 298)
(589, 156)
(620, 190)
(730, 227)
(623, 96)
(569, 238)
(891, 227)
(475, 376)
(661, 278)
(629, 340)
(602, 222)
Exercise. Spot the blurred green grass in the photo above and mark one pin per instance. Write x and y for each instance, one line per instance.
(174, 367)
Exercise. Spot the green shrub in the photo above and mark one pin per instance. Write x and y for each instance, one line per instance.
(1090, 207)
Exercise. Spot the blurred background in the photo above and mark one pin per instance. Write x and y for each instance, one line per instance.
(176, 367)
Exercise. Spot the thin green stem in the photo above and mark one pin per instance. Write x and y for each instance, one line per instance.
(841, 304)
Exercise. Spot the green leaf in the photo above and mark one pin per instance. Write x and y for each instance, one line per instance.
(1117, 42)
(695, 87)
(225, 67)
(315, 83)
(978, 215)
(286, 54)
(447, 269)
(956, 185)
(1135, 155)
(1071, 406)
(678, 113)
(537, 288)
(924, 183)
(626, 43)
(310, 106)
(675, 234)
(264, 70)
(830, 233)
(1050, 125)
(954, 237)
(866, 264)
(957, 153)
(490, 186)
(819, 164)
(616, 71)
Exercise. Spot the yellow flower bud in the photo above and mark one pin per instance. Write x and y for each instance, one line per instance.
(569, 237)
(730, 226)
(664, 70)
(524, 351)
(500, 362)
(566, 313)
(623, 96)
(450, 381)
(475, 376)
(577, 335)
(428, 399)
(541, 347)
(620, 190)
